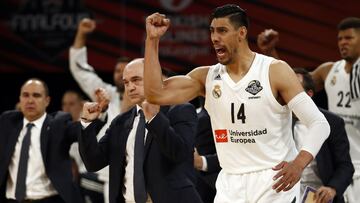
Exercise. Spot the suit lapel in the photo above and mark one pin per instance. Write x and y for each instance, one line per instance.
(15, 132)
(44, 136)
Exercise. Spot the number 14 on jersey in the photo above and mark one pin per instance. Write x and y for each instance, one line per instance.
(238, 113)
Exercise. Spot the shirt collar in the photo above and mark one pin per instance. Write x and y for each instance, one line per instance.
(37, 123)
(138, 108)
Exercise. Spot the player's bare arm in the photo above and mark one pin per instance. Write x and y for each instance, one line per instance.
(287, 88)
(319, 75)
(283, 81)
(179, 89)
(174, 90)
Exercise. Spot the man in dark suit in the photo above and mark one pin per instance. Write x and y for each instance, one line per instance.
(34, 158)
(332, 170)
(158, 167)
(205, 157)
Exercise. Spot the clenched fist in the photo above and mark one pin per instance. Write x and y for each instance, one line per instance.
(86, 26)
(267, 41)
(156, 25)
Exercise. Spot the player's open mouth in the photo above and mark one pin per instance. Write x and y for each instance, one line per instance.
(220, 52)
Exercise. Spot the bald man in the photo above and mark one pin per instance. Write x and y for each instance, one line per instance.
(34, 150)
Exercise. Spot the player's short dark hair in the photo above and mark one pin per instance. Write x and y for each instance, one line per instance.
(350, 22)
(308, 82)
(236, 15)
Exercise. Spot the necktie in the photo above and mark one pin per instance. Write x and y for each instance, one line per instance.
(23, 162)
(139, 180)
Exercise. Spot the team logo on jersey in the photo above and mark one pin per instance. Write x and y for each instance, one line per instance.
(254, 87)
(216, 91)
(217, 77)
(333, 81)
(221, 135)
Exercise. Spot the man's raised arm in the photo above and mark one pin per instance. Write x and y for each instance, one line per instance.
(175, 90)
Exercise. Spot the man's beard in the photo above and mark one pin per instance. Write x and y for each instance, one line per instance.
(350, 59)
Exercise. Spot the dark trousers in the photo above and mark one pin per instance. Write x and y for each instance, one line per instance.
(52, 199)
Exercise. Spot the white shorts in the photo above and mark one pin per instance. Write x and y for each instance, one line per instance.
(352, 192)
(255, 187)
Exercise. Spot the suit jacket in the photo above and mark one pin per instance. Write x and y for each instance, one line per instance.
(333, 160)
(168, 163)
(57, 134)
(206, 147)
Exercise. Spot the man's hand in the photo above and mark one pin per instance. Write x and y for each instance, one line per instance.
(324, 194)
(150, 110)
(91, 111)
(198, 163)
(267, 41)
(289, 174)
(156, 25)
(102, 98)
(86, 26)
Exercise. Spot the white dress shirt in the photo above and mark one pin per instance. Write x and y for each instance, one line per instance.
(38, 185)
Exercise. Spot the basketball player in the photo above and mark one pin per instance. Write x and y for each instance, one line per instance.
(249, 97)
(342, 86)
(342, 99)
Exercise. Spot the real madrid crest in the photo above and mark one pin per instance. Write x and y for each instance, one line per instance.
(216, 92)
(333, 81)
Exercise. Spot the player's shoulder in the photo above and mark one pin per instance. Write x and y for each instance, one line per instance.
(279, 67)
(200, 69)
(322, 70)
(199, 73)
(326, 65)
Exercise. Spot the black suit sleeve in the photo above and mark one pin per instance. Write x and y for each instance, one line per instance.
(212, 163)
(339, 147)
(72, 129)
(175, 133)
(93, 153)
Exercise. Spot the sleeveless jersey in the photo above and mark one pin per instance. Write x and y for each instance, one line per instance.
(337, 87)
(252, 131)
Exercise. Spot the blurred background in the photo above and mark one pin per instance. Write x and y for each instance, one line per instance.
(35, 36)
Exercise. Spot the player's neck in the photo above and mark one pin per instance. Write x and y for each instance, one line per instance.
(348, 65)
(241, 66)
(242, 63)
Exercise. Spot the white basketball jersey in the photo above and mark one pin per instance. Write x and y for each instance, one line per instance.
(337, 86)
(252, 131)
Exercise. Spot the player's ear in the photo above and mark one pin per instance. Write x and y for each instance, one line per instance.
(242, 33)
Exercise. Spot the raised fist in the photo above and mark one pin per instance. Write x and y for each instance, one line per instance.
(267, 40)
(86, 26)
(102, 98)
(156, 25)
(91, 111)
